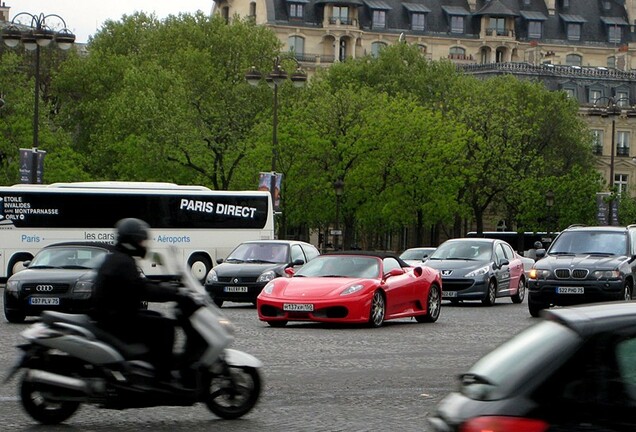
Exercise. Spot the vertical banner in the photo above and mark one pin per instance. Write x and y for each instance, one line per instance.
(265, 182)
(602, 208)
(31, 165)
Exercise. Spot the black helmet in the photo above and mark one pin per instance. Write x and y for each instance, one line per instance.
(131, 236)
(538, 245)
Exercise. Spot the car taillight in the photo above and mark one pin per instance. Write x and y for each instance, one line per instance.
(503, 424)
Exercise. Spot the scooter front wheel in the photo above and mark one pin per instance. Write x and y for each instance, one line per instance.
(233, 392)
(41, 407)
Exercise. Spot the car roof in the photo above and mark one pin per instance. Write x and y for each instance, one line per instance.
(101, 245)
(375, 254)
(594, 318)
(596, 228)
(270, 241)
(476, 239)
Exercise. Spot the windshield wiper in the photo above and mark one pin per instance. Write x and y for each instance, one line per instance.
(561, 253)
(600, 253)
(43, 267)
(471, 378)
(260, 261)
(236, 260)
(76, 267)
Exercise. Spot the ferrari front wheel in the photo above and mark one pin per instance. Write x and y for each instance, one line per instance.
(378, 309)
(433, 306)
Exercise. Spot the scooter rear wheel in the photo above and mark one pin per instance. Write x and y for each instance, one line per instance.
(233, 393)
(40, 408)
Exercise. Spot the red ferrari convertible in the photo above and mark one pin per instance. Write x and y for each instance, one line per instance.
(360, 287)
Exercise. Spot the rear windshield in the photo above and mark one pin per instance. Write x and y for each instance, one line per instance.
(590, 242)
(527, 353)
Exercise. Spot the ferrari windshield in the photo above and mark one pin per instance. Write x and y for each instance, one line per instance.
(341, 266)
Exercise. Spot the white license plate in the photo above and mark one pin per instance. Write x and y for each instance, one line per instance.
(241, 289)
(449, 294)
(298, 307)
(570, 290)
(45, 301)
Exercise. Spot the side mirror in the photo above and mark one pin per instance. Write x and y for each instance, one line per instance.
(289, 271)
(394, 272)
(295, 263)
(219, 260)
(540, 253)
(503, 262)
(26, 263)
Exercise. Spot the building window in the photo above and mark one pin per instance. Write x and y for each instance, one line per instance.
(379, 19)
(622, 98)
(535, 29)
(615, 34)
(296, 45)
(457, 24)
(607, 5)
(457, 53)
(340, 13)
(597, 141)
(296, 11)
(574, 31)
(422, 49)
(573, 60)
(570, 92)
(376, 47)
(418, 21)
(611, 62)
(566, 3)
(594, 95)
(620, 183)
(252, 10)
(622, 143)
(225, 14)
(497, 26)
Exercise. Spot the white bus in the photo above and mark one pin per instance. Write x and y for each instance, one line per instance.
(200, 223)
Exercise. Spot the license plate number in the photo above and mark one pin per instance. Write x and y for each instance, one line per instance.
(449, 294)
(44, 301)
(570, 290)
(298, 307)
(239, 289)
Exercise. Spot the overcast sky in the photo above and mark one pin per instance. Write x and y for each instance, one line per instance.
(85, 17)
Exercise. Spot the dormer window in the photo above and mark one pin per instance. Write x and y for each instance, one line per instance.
(607, 5)
(573, 24)
(296, 9)
(418, 14)
(614, 26)
(456, 15)
(535, 23)
(378, 15)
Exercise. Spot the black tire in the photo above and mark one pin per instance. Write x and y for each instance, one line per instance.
(535, 308)
(627, 291)
(231, 397)
(433, 307)
(42, 410)
(13, 316)
(521, 292)
(200, 265)
(218, 302)
(277, 324)
(378, 309)
(491, 294)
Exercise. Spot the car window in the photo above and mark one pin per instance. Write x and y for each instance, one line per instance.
(260, 252)
(632, 241)
(65, 257)
(297, 253)
(510, 254)
(499, 253)
(626, 359)
(311, 252)
(390, 264)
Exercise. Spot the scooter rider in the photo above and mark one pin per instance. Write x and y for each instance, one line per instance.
(120, 290)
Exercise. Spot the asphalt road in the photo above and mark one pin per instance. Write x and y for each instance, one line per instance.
(316, 377)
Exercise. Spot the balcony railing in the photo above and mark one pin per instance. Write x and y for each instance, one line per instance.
(342, 21)
(597, 149)
(622, 151)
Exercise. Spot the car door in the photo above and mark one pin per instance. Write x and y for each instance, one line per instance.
(501, 268)
(515, 266)
(398, 289)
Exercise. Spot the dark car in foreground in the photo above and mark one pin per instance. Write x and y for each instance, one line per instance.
(251, 265)
(575, 370)
(584, 264)
(60, 277)
(479, 269)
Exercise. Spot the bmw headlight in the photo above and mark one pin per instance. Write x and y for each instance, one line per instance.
(479, 272)
(83, 287)
(13, 286)
(211, 277)
(268, 288)
(352, 289)
(266, 276)
(606, 274)
(539, 274)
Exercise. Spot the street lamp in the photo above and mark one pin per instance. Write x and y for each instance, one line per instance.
(612, 109)
(338, 187)
(549, 203)
(35, 35)
(275, 78)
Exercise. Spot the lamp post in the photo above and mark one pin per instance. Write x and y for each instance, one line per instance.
(549, 203)
(338, 187)
(37, 34)
(275, 78)
(611, 109)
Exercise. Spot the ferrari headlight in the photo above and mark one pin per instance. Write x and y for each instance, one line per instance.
(606, 274)
(266, 276)
(268, 288)
(85, 286)
(352, 289)
(539, 274)
(479, 272)
(13, 286)
(211, 277)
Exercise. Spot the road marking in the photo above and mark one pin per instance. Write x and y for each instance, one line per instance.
(8, 398)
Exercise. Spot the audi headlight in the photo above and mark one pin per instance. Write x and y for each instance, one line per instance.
(83, 287)
(13, 286)
(211, 277)
(606, 274)
(479, 272)
(352, 289)
(266, 276)
(539, 274)
(268, 288)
